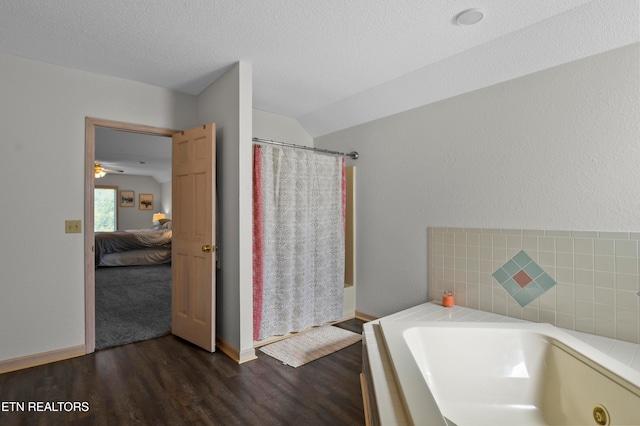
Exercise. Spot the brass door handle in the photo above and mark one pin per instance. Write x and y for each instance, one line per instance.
(207, 248)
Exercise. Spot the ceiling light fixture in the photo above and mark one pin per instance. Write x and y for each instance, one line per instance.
(469, 17)
(99, 171)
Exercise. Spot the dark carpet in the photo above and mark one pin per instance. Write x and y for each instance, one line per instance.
(133, 303)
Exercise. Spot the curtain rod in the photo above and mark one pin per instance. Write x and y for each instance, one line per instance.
(353, 155)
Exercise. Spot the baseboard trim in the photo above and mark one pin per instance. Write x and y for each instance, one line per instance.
(365, 317)
(41, 358)
(233, 352)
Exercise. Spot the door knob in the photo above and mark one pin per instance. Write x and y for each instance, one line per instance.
(207, 248)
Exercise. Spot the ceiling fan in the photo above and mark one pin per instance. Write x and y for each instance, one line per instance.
(100, 171)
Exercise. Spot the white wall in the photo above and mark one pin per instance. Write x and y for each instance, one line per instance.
(42, 116)
(276, 127)
(227, 102)
(133, 217)
(165, 197)
(558, 149)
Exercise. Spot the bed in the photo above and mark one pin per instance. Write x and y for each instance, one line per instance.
(134, 247)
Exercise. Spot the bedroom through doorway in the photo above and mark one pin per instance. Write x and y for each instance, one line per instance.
(129, 284)
(133, 253)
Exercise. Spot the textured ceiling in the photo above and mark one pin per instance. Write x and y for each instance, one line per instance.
(331, 64)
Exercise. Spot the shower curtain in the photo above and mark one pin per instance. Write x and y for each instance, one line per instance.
(299, 219)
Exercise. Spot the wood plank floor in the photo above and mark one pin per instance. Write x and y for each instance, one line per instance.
(167, 381)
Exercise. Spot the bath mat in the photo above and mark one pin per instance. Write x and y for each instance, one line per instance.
(306, 347)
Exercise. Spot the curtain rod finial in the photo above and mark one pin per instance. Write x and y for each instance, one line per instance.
(354, 155)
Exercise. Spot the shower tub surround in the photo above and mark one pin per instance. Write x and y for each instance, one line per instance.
(587, 281)
(383, 382)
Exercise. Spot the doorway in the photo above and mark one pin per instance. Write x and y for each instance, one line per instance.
(91, 126)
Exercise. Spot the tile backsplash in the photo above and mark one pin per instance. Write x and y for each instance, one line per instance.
(586, 281)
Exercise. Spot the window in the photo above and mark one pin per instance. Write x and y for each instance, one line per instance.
(105, 210)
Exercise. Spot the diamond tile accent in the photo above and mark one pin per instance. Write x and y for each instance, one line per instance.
(523, 278)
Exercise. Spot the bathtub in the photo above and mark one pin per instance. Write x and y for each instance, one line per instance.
(507, 374)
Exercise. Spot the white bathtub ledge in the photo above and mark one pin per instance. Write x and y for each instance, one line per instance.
(388, 398)
(418, 399)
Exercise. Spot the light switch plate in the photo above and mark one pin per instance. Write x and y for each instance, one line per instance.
(72, 226)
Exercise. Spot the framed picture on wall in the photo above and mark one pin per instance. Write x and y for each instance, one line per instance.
(127, 198)
(146, 202)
